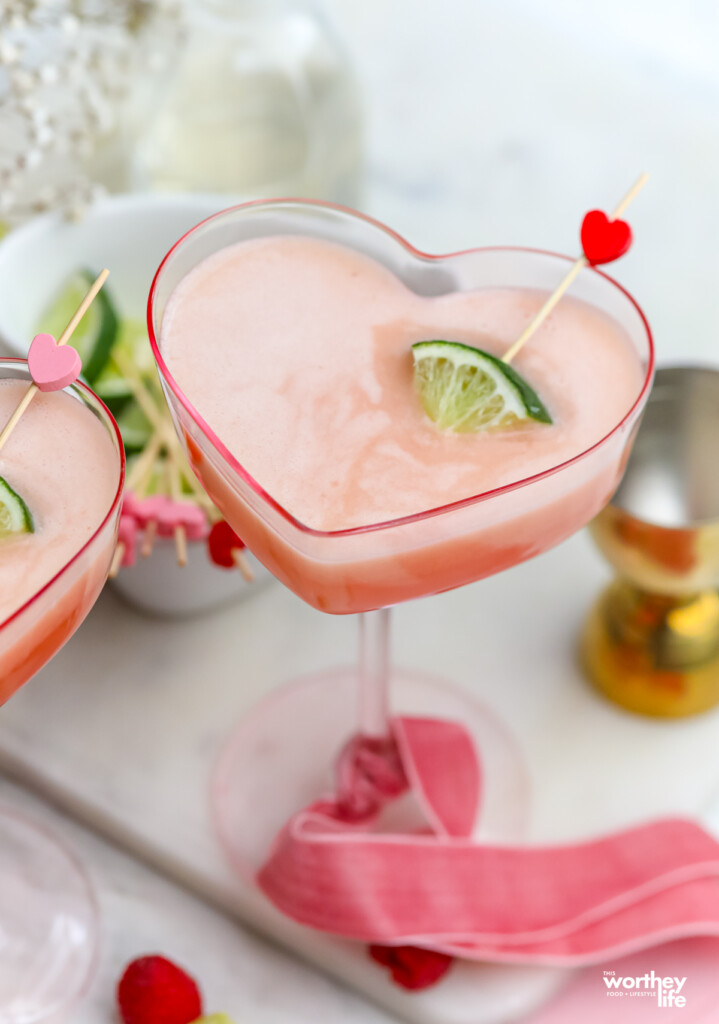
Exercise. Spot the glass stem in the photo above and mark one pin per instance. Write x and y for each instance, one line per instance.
(374, 673)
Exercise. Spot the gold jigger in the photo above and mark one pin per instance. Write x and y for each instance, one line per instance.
(651, 642)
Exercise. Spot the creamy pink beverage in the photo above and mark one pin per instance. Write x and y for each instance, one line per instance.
(296, 353)
(62, 461)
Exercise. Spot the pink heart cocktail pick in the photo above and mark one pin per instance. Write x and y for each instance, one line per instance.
(52, 367)
(50, 370)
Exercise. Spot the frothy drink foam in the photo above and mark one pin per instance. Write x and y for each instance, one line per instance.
(296, 352)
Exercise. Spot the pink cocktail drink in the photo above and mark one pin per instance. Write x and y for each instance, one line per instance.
(64, 458)
(289, 360)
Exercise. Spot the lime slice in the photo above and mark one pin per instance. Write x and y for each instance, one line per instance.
(96, 333)
(464, 389)
(15, 516)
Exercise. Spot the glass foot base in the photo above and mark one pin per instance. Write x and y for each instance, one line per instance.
(281, 755)
(48, 924)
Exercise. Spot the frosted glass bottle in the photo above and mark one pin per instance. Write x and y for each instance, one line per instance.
(261, 102)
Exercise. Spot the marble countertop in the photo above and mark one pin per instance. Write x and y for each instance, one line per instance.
(141, 912)
(494, 122)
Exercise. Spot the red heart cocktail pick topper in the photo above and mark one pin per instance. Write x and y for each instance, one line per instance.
(603, 239)
(225, 549)
(222, 544)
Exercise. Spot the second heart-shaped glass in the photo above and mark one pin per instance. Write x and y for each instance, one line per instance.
(49, 922)
(35, 632)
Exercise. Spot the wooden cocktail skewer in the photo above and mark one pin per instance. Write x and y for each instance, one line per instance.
(116, 561)
(163, 433)
(160, 421)
(140, 392)
(146, 390)
(62, 340)
(150, 533)
(163, 427)
(137, 481)
(142, 470)
(175, 487)
(148, 539)
(240, 560)
(569, 277)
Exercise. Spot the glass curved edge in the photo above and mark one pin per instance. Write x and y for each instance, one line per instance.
(34, 633)
(382, 564)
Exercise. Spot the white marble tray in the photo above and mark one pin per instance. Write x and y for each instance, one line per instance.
(142, 912)
(123, 727)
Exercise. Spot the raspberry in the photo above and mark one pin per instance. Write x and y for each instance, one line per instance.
(155, 991)
(410, 967)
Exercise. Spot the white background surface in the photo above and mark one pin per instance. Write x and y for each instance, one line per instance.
(503, 122)
(488, 122)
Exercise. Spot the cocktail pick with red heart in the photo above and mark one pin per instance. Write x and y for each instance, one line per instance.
(603, 239)
(126, 550)
(225, 549)
(184, 514)
(51, 366)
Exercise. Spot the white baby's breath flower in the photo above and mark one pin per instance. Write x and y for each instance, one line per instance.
(66, 68)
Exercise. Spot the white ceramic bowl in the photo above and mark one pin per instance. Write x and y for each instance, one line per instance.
(129, 234)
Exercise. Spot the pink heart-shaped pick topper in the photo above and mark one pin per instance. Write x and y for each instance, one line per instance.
(52, 366)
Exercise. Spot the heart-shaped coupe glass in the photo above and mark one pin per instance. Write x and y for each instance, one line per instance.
(48, 912)
(368, 568)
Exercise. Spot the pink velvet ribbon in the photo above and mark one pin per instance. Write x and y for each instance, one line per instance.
(332, 869)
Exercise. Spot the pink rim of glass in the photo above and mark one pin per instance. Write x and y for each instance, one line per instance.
(99, 405)
(417, 516)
